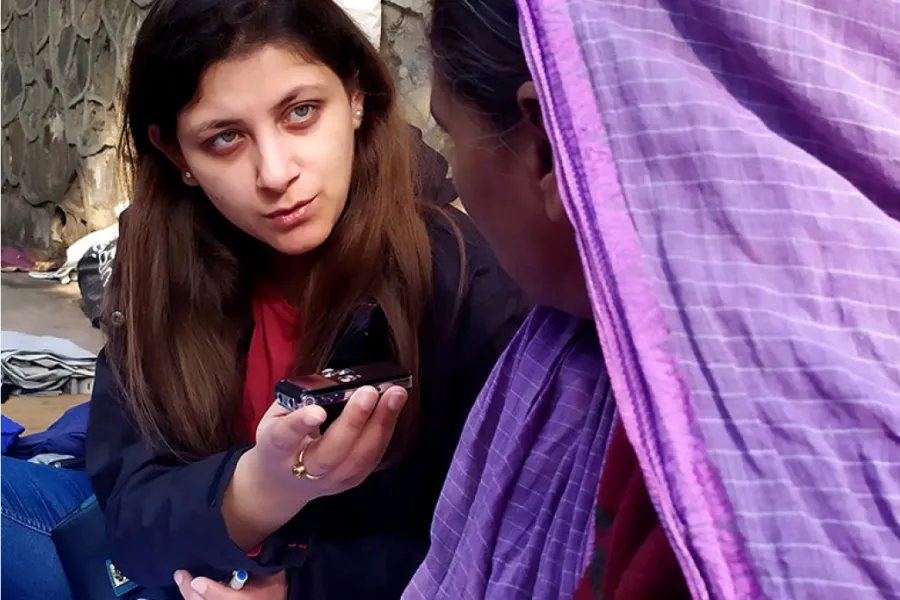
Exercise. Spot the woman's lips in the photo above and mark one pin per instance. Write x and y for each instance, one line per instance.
(289, 217)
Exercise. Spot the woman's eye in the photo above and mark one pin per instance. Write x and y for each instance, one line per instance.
(302, 113)
(224, 139)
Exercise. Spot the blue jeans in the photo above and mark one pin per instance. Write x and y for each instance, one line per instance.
(35, 498)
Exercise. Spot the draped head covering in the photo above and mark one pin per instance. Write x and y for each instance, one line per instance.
(732, 170)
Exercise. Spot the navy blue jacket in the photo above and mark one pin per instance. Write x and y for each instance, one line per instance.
(162, 515)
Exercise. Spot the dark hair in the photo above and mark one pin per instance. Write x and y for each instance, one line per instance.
(184, 275)
(478, 54)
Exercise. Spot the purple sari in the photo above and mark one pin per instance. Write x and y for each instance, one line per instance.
(732, 168)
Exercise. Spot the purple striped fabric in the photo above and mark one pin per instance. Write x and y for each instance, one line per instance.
(745, 271)
(515, 519)
(730, 167)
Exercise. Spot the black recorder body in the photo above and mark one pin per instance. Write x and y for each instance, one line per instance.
(362, 356)
(337, 385)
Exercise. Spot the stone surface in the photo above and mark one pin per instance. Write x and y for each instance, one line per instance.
(103, 69)
(6, 14)
(404, 45)
(41, 24)
(76, 69)
(23, 7)
(85, 17)
(72, 118)
(61, 49)
(62, 68)
(13, 91)
(33, 109)
(419, 7)
(98, 131)
(22, 32)
(100, 187)
(42, 68)
(13, 152)
(50, 165)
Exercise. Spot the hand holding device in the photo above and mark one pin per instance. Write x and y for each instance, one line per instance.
(292, 464)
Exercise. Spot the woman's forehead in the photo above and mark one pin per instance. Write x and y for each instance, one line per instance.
(258, 81)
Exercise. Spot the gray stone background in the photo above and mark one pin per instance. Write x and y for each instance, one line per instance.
(63, 64)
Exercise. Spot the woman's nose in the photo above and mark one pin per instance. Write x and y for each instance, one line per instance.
(277, 167)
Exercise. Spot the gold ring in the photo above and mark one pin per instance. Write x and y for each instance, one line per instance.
(300, 471)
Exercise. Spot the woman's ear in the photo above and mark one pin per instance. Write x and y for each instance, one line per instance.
(533, 124)
(357, 104)
(173, 153)
(357, 113)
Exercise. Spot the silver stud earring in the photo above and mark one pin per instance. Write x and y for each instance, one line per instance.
(187, 175)
(359, 114)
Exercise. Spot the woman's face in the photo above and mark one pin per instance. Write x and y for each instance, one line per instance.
(511, 194)
(270, 140)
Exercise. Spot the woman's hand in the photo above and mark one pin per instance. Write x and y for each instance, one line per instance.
(344, 456)
(264, 493)
(257, 588)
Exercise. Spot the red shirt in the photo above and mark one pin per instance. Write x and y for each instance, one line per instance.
(633, 559)
(270, 356)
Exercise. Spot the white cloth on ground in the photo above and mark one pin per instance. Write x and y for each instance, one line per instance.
(44, 365)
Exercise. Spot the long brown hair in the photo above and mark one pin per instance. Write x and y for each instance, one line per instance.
(184, 275)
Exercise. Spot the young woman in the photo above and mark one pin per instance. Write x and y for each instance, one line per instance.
(708, 192)
(274, 232)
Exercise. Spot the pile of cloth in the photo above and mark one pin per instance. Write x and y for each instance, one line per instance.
(63, 444)
(45, 366)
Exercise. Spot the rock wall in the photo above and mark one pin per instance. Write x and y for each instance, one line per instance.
(404, 46)
(63, 64)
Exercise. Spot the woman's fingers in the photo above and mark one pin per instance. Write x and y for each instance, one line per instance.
(260, 588)
(351, 448)
(207, 589)
(286, 432)
(329, 451)
(369, 449)
(362, 415)
(183, 580)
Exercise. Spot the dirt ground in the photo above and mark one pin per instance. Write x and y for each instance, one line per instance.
(43, 308)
